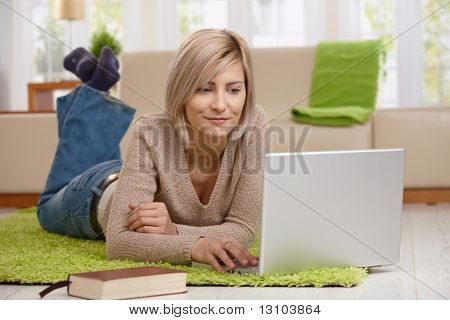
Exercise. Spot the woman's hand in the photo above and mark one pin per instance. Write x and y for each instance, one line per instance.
(151, 218)
(209, 250)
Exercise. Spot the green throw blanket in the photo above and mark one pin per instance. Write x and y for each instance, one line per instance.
(344, 84)
(30, 255)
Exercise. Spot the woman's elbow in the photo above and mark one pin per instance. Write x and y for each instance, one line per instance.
(116, 247)
(111, 250)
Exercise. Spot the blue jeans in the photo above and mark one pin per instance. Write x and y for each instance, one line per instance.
(90, 127)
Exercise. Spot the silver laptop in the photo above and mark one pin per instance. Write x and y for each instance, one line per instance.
(333, 208)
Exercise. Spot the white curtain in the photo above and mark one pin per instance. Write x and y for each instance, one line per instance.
(410, 68)
(16, 63)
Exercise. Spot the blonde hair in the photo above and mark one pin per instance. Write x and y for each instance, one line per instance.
(202, 56)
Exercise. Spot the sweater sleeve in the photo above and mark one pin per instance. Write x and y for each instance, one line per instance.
(244, 217)
(137, 184)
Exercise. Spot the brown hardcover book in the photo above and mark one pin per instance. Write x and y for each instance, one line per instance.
(123, 283)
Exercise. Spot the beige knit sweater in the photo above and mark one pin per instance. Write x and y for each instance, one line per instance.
(155, 169)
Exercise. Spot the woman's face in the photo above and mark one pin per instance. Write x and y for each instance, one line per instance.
(215, 107)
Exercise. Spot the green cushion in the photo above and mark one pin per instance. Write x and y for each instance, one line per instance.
(334, 116)
(30, 255)
(344, 83)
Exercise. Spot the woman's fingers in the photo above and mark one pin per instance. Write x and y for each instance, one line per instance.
(240, 255)
(149, 229)
(135, 208)
(153, 214)
(215, 264)
(240, 252)
(210, 250)
(251, 258)
(143, 213)
(146, 206)
(222, 255)
(145, 221)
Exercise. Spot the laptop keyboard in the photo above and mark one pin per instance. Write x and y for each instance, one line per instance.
(240, 268)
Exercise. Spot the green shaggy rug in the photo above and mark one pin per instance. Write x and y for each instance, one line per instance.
(30, 255)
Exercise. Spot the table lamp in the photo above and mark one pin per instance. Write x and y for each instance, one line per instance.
(68, 10)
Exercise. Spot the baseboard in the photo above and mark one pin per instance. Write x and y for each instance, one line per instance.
(18, 200)
(430, 196)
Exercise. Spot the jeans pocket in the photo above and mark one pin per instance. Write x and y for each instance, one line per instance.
(76, 223)
(84, 178)
(83, 226)
(62, 224)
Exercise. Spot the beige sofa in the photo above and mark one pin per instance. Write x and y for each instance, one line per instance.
(28, 141)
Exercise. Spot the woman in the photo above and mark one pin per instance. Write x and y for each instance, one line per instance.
(191, 183)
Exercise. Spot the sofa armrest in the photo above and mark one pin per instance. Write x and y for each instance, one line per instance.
(425, 135)
(28, 143)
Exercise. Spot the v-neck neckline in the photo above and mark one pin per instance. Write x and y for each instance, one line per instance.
(217, 184)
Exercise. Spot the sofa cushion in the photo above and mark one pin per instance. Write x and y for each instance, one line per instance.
(287, 135)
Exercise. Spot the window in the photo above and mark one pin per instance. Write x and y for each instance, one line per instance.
(48, 49)
(199, 14)
(264, 23)
(108, 13)
(436, 53)
(416, 68)
(277, 23)
(423, 73)
(377, 20)
(416, 65)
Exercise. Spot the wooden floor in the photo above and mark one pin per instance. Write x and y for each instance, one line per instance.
(423, 271)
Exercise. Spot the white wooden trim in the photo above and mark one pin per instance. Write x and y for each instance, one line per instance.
(18, 53)
(410, 70)
(167, 24)
(6, 58)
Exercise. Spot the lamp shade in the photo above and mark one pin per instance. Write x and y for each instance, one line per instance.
(68, 9)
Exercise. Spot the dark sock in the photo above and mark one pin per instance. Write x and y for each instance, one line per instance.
(81, 62)
(106, 73)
